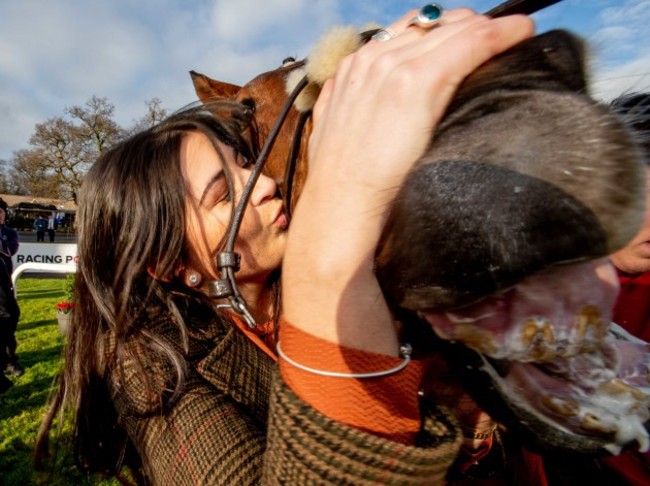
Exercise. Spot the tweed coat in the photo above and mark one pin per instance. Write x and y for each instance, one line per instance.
(237, 423)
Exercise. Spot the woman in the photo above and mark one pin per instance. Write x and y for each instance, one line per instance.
(165, 381)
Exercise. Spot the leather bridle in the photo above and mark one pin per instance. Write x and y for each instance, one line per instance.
(228, 261)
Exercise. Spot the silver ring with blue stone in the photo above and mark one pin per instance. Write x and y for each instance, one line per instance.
(428, 16)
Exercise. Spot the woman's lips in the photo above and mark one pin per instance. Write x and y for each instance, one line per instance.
(280, 219)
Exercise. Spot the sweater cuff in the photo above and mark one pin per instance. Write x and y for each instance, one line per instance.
(386, 406)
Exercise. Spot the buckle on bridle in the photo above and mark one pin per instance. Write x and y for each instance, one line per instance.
(238, 304)
(228, 263)
(220, 289)
(228, 259)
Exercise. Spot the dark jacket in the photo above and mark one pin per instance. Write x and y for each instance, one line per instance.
(238, 423)
(8, 246)
(40, 224)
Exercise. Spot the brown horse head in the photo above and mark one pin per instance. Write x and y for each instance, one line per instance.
(265, 95)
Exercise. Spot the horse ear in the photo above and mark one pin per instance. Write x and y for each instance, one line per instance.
(209, 89)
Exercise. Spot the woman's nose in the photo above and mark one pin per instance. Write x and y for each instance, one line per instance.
(265, 188)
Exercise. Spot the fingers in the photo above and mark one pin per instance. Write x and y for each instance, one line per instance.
(461, 41)
(467, 44)
(450, 23)
(470, 40)
(439, 59)
(399, 89)
(467, 29)
(433, 62)
(403, 33)
(414, 42)
(476, 42)
(401, 27)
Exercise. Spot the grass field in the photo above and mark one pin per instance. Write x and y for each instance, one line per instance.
(22, 407)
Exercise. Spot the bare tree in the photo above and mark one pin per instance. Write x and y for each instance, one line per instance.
(5, 178)
(32, 176)
(155, 114)
(96, 126)
(62, 150)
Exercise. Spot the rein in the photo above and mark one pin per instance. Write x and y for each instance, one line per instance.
(290, 168)
(228, 261)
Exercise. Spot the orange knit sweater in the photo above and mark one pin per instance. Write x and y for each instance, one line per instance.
(385, 406)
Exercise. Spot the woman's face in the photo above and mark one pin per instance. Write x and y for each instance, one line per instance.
(262, 235)
(635, 257)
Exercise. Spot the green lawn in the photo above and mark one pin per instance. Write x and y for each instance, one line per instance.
(23, 406)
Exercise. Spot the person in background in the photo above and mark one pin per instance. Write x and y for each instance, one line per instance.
(9, 310)
(632, 310)
(40, 224)
(5, 282)
(51, 227)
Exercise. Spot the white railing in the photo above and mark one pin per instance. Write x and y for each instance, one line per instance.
(41, 267)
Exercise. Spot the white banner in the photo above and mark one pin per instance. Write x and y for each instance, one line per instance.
(46, 253)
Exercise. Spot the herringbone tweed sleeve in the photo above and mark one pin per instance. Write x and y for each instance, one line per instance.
(222, 432)
(306, 448)
(206, 439)
(215, 434)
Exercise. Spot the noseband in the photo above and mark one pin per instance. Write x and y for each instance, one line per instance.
(228, 261)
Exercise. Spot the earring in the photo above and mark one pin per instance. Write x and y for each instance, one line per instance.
(193, 279)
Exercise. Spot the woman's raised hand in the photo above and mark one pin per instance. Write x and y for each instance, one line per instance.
(372, 122)
(380, 110)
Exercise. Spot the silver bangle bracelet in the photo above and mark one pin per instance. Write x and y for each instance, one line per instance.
(404, 351)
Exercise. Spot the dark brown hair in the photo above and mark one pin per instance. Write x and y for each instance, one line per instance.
(132, 218)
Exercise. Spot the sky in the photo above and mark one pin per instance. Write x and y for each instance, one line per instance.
(57, 54)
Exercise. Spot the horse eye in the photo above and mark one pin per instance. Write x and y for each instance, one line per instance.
(249, 103)
(288, 60)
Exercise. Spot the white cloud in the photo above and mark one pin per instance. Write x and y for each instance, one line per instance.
(622, 29)
(248, 22)
(61, 53)
(633, 76)
(58, 54)
(626, 12)
(18, 119)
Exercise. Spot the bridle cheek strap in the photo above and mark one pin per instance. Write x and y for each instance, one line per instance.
(228, 261)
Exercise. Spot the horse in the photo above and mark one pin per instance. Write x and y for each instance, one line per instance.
(527, 184)
(260, 95)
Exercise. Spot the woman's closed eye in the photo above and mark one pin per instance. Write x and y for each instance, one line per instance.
(216, 191)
